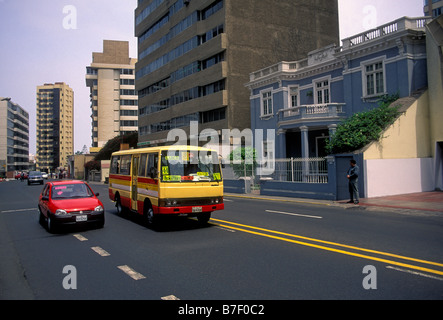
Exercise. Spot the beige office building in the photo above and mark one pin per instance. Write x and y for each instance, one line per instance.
(55, 126)
(114, 101)
(194, 57)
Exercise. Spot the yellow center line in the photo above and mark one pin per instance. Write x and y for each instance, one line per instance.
(333, 249)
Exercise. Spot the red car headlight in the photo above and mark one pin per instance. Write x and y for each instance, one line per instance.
(61, 212)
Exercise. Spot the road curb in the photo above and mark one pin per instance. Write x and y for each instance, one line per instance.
(336, 204)
(328, 204)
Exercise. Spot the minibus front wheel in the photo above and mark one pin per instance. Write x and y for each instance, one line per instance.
(204, 217)
(118, 205)
(150, 217)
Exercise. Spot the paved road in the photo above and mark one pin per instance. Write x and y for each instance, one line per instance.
(253, 250)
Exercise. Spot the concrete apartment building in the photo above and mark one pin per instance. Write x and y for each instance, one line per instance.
(55, 126)
(14, 138)
(114, 101)
(195, 56)
(433, 8)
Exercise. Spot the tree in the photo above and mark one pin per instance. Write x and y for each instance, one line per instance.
(243, 161)
(93, 165)
(113, 145)
(84, 150)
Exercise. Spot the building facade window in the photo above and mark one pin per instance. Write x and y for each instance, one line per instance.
(267, 108)
(322, 92)
(127, 92)
(213, 115)
(294, 97)
(374, 79)
(130, 113)
(128, 123)
(130, 82)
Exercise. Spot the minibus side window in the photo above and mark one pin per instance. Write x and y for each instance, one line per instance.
(115, 165)
(125, 165)
(142, 165)
(153, 165)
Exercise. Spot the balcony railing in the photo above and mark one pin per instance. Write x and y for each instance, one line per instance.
(386, 29)
(329, 52)
(330, 110)
(283, 66)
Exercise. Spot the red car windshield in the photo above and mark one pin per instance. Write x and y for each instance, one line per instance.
(71, 191)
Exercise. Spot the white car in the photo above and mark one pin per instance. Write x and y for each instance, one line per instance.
(44, 175)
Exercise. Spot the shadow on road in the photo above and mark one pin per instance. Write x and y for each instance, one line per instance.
(163, 224)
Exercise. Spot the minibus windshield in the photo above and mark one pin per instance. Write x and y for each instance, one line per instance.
(190, 166)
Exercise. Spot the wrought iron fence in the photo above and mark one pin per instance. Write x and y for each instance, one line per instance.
(297, 170)
(303, 170)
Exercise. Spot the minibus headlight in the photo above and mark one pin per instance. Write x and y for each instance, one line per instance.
(170, 203)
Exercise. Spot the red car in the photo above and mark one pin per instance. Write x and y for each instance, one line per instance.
(69, 203)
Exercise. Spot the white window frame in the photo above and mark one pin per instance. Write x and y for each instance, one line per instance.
(268, 98)
(290, 100)
(365, 74)
(322, 89)
(290, 95)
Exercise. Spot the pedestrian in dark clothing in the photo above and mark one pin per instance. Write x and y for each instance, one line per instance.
(353, 174)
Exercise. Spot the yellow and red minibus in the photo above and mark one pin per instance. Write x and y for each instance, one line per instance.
(167, 181)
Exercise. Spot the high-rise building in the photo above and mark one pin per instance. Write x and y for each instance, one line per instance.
(55, 126)
(433, 8)
(14, 138)
(114, 101)
(194, 57)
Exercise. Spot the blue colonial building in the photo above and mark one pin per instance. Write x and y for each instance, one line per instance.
(305, 100)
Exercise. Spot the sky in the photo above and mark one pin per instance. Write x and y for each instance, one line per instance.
(48, 41)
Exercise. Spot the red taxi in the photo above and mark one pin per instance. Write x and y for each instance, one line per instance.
(69, 203)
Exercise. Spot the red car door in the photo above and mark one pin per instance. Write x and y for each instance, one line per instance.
(44, 200)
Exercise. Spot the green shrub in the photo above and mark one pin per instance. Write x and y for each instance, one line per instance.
(364, 127)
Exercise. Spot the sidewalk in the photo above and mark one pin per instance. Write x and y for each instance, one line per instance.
(424, 201)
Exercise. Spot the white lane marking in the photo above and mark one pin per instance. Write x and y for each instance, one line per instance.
(415, 273)
(228, 200)
(131, 272)
(101, 251)
(170, 298)
(18, 210)
(80, 237)
(295, 214)
(225, 229)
